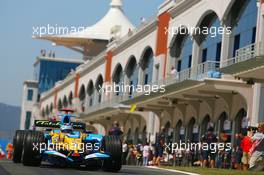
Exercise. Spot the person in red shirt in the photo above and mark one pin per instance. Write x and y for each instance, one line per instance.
(245, 146)
(9, 150)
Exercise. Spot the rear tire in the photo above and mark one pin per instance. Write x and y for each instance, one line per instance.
(30, 155)
(112, 146)
(18, 145)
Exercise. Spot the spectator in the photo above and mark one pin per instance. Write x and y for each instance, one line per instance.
(2, 153)
(124, 152)
(209, 138)
(139, 154)
(257, 150)
(245, 146)
(238, 151)
(159, 147)
(173, 71)
(130, 155)
(115, 130)
(146, 151)
(9, 151)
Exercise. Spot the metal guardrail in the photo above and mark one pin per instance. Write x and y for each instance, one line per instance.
(198, 72)
(245, 53)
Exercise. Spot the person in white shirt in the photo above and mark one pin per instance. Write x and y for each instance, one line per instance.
(174, 73)
(146, 150)
(125, 152)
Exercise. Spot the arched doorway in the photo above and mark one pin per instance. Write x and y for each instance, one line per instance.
(224, 128)
(178, 135)
(136, 136)
(190, 134)
(129, 136)
(241, 121)
(144, 135)
(205, 124)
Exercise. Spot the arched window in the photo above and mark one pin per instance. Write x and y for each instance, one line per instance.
(47, 111)
(146, 65)
(98, 86)
(65, 102)
(82, 93)
(51, 107)
(242, 18)
(70, 98)
(132, 73)
(118, 79)
(209, 39)
(90, 92)
(59, 105)
(181, 49)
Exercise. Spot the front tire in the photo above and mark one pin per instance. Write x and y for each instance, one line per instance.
(30, 155)
(112, 146)
(18, 145)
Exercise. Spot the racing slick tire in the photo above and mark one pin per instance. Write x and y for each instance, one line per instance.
(113, 146)
(18, 145)
(31, 155)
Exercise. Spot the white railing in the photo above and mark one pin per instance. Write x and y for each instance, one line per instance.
(198, 72)
(246, 53)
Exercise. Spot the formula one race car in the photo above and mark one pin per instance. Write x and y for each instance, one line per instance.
(66, 143)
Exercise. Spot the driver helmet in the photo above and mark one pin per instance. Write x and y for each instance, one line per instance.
(66, 128)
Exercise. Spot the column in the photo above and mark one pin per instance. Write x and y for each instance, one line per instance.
(195, 58)
(258, 104)
(226, 41)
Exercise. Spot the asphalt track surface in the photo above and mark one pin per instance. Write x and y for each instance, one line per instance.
(9, 168)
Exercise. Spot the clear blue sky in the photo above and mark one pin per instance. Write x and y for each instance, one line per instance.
(18, 50)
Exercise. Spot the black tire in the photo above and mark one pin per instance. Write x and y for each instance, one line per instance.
(112, 146)
(18, 145)
(30, 155)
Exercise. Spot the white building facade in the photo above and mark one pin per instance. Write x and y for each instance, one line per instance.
(216, 81)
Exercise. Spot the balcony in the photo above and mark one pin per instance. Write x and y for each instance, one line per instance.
(204, 70)
(246, 58)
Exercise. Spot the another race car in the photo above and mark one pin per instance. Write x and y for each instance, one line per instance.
(66, 143)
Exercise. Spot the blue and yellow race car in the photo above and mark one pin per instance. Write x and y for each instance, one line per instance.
(67, 143)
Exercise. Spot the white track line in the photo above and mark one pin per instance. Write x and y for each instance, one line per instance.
(170, 170)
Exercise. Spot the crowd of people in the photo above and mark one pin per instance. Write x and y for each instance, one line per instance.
(9, 152)
(247, 152)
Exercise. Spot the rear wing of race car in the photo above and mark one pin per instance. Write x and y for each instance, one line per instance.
(57, 124)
